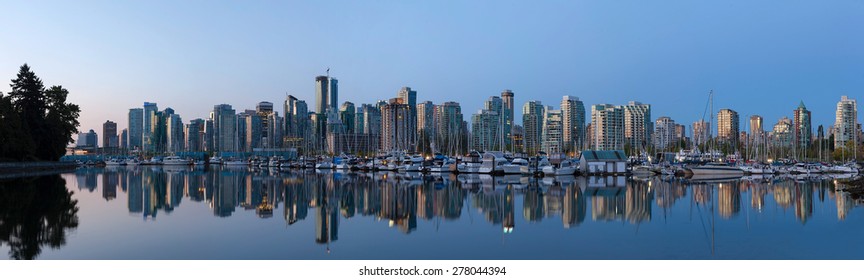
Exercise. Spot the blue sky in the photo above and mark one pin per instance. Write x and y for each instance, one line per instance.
(759, 58)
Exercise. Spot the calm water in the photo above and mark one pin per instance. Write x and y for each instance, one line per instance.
(179, 213)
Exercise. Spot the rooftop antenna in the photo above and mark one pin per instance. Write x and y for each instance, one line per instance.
(328, 72)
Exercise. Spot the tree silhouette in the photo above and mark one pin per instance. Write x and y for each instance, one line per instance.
(37, 123)
(35, 212)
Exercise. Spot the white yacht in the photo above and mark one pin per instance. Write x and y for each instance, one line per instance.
(493, 163)
(115, 162)
(566, 167)
(235, 162)
(216, 160)
(442, 165)
(522, 165)
(175, 160)
(714, 168)
(470, 164)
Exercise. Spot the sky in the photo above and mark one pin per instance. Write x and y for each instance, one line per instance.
(759, 58)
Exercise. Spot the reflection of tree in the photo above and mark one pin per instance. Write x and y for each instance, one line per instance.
(34, 213)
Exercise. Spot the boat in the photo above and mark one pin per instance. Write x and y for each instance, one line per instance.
(175, 160)
(441, 165)
(758, 169)
(471, 164)
(411, 164)
(325, 164)
(215, 160)
(132, 162)
(806, 168)
(235, 162)
(845, 168)
(642, 170)
(537, 164)
(524, 167)
(715, 168)
(492, 163)
(566, 167)
(115, 162)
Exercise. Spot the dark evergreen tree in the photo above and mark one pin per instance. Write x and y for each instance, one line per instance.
(40, 123)
(14, 142)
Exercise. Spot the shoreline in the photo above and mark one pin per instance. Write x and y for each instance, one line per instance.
(37, 168)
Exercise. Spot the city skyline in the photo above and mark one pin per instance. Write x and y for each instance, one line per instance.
(669, 60)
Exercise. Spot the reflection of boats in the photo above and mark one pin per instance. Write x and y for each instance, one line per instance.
(714, 178)
(174, 168)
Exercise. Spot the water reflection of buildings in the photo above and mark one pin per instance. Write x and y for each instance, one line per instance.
(574, 206)
(87, 178)
(728, 199)
(403, 199)
(109, 185)
(844, 204)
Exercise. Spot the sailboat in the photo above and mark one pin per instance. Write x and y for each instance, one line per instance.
(715, 169)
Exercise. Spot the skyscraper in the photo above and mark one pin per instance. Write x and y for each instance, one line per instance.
(757, 129)
(194, 134)
(553, 132)
(271, 127)
(426, 123)
(845, 122)
(395, 127)
(507, 118)
(803, 132)
(124, 139)
(681, 134)
(109, 135)
(136, 128)
(637, 124)
(448, 126)
(150, 110)
(176, 140)
(327, 96)
(224, 128)
(608, 127)
(371, 119)
(701, 132)
(159, 124)
(347, 113)
(333, 91)
(249, 131)
(296, 122)
(728, 126)
(573, 114)
(484, 130)
(532, 121)
(409, 97)
(487, 126)
(322, 95)
(664, 133)
(782, 135)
